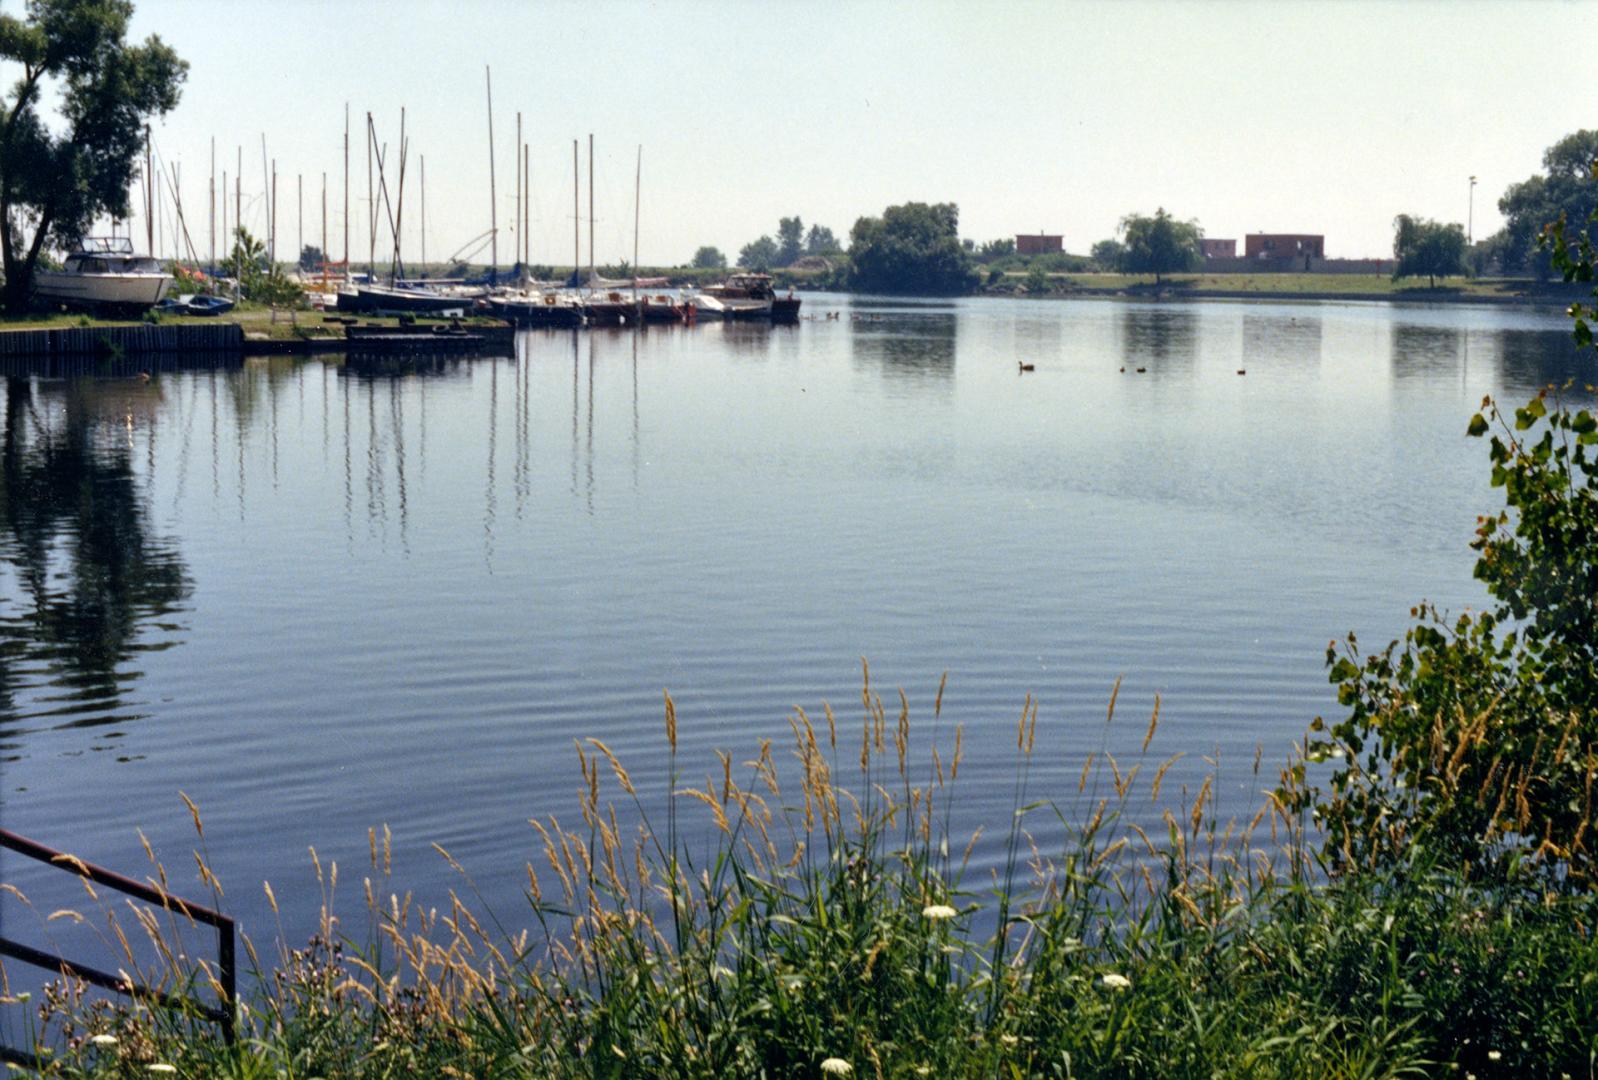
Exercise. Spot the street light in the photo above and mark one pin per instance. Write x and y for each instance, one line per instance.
(1470, 214)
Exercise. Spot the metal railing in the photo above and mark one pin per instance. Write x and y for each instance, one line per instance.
(227, 969)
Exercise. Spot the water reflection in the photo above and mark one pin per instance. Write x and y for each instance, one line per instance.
(1163, 340)
(1424, 351)
(915, 347)
(1528, 360)
(93, 585)
(1283, 341)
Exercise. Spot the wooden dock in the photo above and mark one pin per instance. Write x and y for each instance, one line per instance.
(117, 341)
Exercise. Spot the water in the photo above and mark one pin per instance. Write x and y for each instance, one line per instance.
(319, 596)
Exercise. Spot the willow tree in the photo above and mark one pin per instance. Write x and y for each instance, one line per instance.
(57, 178)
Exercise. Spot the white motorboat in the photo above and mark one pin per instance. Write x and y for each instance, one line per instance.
(104, 273)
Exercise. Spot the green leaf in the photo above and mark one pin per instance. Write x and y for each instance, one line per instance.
(1478, 426)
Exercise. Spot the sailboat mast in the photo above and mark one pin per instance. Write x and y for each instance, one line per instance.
(638, 189)
(213, 202)
(590, 207)
(371, 207)
(149, 196)
(517, 228)
(493, 203)
(577, 218)
(346, 189)
(424, 213)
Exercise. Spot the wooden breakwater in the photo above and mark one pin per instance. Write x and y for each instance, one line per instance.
(117, 341)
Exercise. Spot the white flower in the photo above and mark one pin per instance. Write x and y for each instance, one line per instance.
(1113, 981)
(103, 1040)
(836, 1067)
(938, 911)
(162, 1067)
(1494, 1055)
(1008, 1040)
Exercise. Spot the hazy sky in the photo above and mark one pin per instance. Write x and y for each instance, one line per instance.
(1313, 117)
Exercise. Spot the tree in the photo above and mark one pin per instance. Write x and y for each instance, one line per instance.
(1038, 281)
(57, 178)
(914, 248)
(995, 249)
(1566, 187)
(1476, 738)
(1108, 255)
(790, 241)
(1422, 246)
(258, 279)
(1160, 244)
(759, 254)
(820, 241)
(710, 258)
(311, 257)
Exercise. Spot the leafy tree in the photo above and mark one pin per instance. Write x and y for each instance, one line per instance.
(995, 249)
(1566, 188)
(1422, 246)
(710, 258)
(1477, 738)
(1038, 281)
(311, 257)
(1160, 244)
(258, 279)
(914, 248)
(820, 241)
(1108, 255)
(760, 254)
(57, 178)
(790, 241)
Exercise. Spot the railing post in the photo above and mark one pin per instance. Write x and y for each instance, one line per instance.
(228, 970)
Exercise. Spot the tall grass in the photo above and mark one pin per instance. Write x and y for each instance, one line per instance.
(836, 926)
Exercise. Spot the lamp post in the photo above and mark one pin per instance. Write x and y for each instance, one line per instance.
(1470, 214)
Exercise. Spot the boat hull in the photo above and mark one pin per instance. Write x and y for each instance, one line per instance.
(136, 290)
(373, 301)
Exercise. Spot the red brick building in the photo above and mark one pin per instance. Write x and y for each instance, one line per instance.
(1284, 246)
(1218, 249)
(1038, 244)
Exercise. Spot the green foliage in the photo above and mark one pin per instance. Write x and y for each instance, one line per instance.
(709, 258)
(1566, 189)
(259, 281)
(1422, 246)
(1477, 737)
(832, 923)
(1109, 255)
(991, 250)
(311, 257)
(911, 249)
(820, 241)
(59, 176)
(1038, 281)
(1159, 245)
(761, 254)
(790, 240)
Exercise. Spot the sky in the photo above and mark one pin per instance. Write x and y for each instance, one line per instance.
(1322, 117)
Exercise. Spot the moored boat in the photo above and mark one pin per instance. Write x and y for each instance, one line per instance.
(751, 296)
(104, 274)
(383, 300)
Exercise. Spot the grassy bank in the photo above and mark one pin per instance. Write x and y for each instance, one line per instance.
(1307, 286)
(835, 930)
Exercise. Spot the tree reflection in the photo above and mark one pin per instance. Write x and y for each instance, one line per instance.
(76, 535)
(1161, 339)
(917, 347)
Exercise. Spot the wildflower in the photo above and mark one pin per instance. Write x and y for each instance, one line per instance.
(938, 911)
(1114, 981)
(162, 1067)
(836, 1067)
(1494, 1055)
(1008, 1040)
(103, 1040)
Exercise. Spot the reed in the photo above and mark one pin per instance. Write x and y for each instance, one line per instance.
(837, 920)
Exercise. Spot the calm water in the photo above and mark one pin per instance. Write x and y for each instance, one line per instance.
(320, 596)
